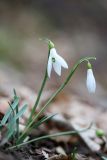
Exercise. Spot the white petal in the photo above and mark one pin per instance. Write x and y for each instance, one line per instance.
(91, 83)
(53, 52)
(59, 61)
(49, 66)
(62, 62)
(57, 68)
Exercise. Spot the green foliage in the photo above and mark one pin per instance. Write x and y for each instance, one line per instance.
(43, 120)
(73, 154)
(9, 111)
(51, 136)
(10, 119)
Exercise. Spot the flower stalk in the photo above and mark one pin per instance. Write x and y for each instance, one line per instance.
(38, 97)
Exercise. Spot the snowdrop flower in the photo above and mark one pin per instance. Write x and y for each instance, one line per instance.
(56, 62)
(90, 82)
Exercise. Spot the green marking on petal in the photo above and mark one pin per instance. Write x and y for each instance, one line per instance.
(53, 60)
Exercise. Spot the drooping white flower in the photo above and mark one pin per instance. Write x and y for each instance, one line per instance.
(56, 62)
(90, 82)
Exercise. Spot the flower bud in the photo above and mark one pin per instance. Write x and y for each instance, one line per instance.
(90, 82)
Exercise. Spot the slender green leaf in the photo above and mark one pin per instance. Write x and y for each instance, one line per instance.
(52, 135)
(18, 115)
(12, 124)
(44, 119)
(21, 112)
(8, 113)
(16, 111)
(17, 122)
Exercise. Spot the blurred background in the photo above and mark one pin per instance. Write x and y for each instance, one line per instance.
(78, 29)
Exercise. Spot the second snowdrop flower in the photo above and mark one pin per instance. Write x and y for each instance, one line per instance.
(55, 61)
(90, 82)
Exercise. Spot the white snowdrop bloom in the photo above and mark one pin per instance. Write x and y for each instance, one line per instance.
(56, 62)
(90, 82)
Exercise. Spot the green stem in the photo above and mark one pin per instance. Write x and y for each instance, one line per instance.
(27, 129)
(52, 135)
(39, 94)
(38, 97)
